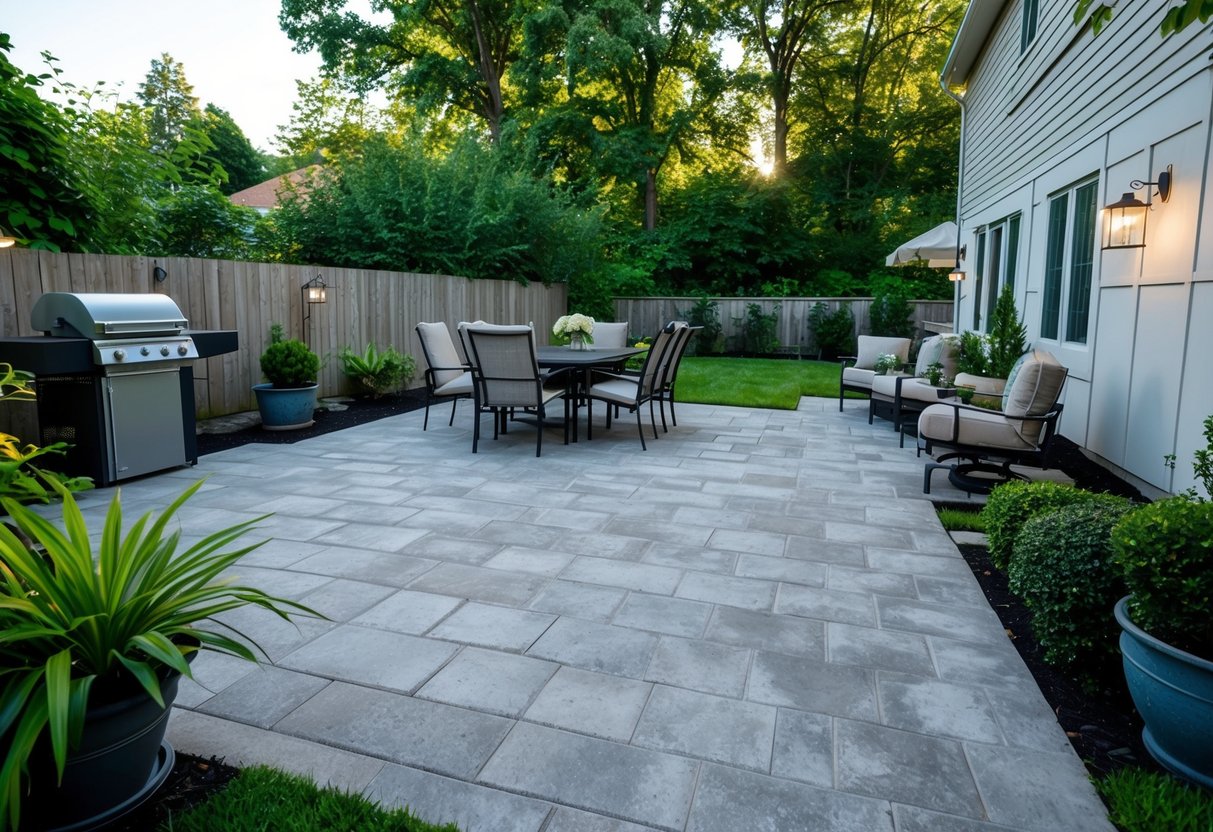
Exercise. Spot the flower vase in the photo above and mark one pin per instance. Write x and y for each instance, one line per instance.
(576, 341)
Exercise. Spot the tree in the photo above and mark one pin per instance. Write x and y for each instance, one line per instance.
(442, 53)
(1176, 19)
(172, 102)
(232, 151)
(199, 221)
(326, 122)
(42, 202)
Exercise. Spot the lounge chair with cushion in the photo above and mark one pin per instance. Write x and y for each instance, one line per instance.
(507, 378)
(859, 370)
(992, 441)
(901, 398)
(446, 377)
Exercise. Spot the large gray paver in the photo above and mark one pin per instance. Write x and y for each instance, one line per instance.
(358, 564)
(427, 735)
(935, 708)
(826, 604)
(879, 649)
(729, 799)
(264, 696)
(599, 647)
(1036, 790)
(932, 619)
(660, 614)
(804, 747)
(478, 584)
(578, 600)
(781, 569)
(575, 820)
(407, 611)
(492, 626)
(373, 657)
(472, 808)
(917, 819)
(801, 683)
(708, 727)
(591, 703)
(747, 593)
(700, 665)
(760, 630)
(639, 577)
(485, 680)
(635, 784)
(341, 599)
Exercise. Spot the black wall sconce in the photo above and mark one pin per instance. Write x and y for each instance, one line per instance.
(159, 274)
(314, 291)
(1125, 220)
(957, 274)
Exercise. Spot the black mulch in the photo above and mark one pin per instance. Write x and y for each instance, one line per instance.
(193, 780)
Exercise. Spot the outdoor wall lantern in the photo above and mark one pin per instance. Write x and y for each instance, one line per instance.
(159, 274)
(1125, 219)
(957, 274)
(6, 239)
(314, 291)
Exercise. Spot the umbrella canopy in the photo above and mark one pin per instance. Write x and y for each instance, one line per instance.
(937, 247)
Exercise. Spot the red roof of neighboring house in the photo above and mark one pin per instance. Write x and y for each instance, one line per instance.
(264, 195)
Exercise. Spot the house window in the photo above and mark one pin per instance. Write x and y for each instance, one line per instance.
(1027, 32)
(997, 256)
(1069, 261)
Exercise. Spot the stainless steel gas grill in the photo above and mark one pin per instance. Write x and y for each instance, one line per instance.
(114, 381)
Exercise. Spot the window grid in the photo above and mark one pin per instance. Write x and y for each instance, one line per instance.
(1082, 261)
(1027, 34)
(1054, 265)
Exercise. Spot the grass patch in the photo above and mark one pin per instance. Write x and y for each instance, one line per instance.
(959, 520)
(1146, 801)
(262, 798)
(755, 382)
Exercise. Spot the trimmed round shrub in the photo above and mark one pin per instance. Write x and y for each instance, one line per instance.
(1165, 551)
(1013, 504)
(1063, 569)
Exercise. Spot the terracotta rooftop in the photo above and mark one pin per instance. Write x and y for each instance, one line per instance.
(264, 195)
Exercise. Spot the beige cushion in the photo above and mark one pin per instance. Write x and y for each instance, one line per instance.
(937, 348)
(455, 387)
(983, 428)
(982, 385)
(856, 377)
(911, 388)
(610, 335)
(872, 347)
(441, 350)
(1032, 390)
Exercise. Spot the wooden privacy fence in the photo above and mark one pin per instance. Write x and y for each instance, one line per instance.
(362, 306)
(646, 315)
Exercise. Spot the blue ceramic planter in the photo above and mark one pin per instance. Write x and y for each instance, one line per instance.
(285, 408)
(1173, 691)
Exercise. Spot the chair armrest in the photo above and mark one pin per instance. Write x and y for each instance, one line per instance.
(554, 374)
(1044, 418)
(847, 360)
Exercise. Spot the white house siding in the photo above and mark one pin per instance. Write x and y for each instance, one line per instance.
(1119, 107)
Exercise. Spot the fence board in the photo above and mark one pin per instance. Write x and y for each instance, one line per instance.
(362, 306)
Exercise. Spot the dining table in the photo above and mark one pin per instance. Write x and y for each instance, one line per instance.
(586, 361)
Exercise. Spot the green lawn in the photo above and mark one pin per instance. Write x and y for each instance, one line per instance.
(755, 382)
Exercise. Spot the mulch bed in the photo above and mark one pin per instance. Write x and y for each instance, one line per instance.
(193, 780)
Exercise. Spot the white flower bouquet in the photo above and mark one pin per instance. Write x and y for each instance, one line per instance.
(573, 326)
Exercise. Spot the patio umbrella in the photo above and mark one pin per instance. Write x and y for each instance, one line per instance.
(937, 247)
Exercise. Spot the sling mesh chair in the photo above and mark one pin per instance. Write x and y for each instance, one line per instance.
(446, 377)
(633, 391)
(669, 372)
(610, 335)
(859, 370)
(991, 441)
(507, 378)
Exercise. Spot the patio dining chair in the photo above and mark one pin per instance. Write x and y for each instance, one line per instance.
(507, 378)
(446, 377)
(633, 391)
(669, 371)
(610, 335)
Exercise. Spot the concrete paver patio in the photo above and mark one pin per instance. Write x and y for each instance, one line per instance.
(759, 624)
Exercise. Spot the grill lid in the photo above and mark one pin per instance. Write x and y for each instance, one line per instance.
(106, 316)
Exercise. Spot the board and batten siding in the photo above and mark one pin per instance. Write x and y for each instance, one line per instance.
(1117, 107)
(363, 306)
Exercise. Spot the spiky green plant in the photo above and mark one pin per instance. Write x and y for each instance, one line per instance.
(72, 619)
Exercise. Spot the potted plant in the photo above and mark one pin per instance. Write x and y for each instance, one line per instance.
(886, 363)
(1166, 553)
(578, 328)
(92, 644)
(973, 369)
(376, 372)
(288, 399)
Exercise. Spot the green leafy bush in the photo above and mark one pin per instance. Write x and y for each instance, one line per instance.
(1013, 504)
(1008, 335)
(972, 354)
(287, 362)
(1166, 553)
(833, 332)
(891, 315)
(375, 371)
(1063, 570)
(705, 313)
(758, 330)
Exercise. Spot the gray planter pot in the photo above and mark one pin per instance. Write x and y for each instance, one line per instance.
(1173, 691)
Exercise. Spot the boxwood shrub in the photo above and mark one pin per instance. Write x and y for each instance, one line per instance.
(1063, 569)
(1012, 504)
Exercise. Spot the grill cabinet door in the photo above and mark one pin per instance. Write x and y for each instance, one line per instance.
(144, 412)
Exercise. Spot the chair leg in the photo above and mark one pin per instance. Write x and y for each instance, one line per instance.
(453, 403)
(476, 426)
(652, 419)
(661, 407)
(539, 430)
(589, 417)
(673, 418)
(425, 423)
(640, 428)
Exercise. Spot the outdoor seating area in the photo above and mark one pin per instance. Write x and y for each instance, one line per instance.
(762, 610)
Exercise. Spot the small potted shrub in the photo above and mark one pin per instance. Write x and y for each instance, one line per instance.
(973, 370)
(288, 398)
(375, 372)
(1166, 553)
(95, 632)
(886, 363)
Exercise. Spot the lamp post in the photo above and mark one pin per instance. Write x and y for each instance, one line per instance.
(314, 291)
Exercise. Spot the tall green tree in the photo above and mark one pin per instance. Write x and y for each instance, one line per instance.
(327, 121)
(232, 150)
(171, 100)
(439, 53)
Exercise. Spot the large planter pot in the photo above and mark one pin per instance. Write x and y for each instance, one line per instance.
(1173, 692)
(286, 408)
(986, 389)
(121, 761)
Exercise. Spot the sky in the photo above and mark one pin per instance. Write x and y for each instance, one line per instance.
(234, 54)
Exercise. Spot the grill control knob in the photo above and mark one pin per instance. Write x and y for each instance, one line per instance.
(119, 355)
(164, 350)
(182, 349)
(144, 351)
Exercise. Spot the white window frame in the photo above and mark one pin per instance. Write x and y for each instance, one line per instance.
(1058, 323)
